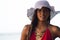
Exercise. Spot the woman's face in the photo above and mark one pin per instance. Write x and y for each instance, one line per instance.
(43, 14)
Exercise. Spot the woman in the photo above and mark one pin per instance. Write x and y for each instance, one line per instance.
(40, 27)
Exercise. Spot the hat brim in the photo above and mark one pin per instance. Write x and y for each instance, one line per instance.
(30, 12)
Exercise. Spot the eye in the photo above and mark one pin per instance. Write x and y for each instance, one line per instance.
(45, 9)
(39, 10)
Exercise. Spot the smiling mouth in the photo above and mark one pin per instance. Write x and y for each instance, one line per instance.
(42, 16)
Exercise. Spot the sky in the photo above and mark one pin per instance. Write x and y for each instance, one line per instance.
(13, 14)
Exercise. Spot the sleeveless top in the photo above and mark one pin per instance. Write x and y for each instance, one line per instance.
(46, 36)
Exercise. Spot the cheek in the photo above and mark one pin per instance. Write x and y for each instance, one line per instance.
(48, 14)
(38, 15)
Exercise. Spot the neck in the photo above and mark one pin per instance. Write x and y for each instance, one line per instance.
(42, 24)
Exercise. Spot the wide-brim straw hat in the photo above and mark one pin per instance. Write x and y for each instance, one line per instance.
(39, 5)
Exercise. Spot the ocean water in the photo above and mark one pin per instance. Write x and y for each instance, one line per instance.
(13, 36)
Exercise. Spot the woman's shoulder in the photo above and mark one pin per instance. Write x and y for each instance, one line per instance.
(25, 32)
(26, 28)
(54, 29)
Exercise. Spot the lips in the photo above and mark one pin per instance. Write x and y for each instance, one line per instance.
(42, 16)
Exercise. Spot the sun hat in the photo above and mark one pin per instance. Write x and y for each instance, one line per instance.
(39, 5)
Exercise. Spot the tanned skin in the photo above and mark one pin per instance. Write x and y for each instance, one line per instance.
(42, 15)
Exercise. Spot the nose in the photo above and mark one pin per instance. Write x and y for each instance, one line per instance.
(42, 12)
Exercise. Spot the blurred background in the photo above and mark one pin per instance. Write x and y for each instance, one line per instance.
(13, 17)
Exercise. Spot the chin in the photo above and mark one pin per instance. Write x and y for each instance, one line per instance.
(42, 20)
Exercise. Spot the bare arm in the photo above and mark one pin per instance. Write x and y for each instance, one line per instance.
(56, 31)
(24, 32)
